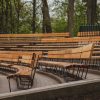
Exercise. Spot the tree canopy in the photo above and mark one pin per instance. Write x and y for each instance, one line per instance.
(43, 16)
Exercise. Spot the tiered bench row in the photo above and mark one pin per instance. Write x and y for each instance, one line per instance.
(26, 42)
(46, 44)
(63, 55)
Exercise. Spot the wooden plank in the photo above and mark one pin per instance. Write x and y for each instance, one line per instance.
(90, 33)
(35, 35)
(72, 40)
(77, 53)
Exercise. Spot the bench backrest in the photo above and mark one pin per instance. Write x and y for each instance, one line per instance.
(9, 57)
(84, 52)
(71, 40)
(24, 58)
(89, 31)
(88, 34)
(37, 35)
(31, 59)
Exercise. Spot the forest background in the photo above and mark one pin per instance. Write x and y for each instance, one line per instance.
(47, 16)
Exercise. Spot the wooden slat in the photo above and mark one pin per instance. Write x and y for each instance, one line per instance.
(77, 53)
(35, 35)
(72, 40)
(86, 55)
(91, 33)
(14, 56)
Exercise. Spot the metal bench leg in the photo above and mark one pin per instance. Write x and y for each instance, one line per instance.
(9, 84)
(86, 72)
(82, 73)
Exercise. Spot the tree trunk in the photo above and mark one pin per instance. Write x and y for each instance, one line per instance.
(12, 26)
(6, 17)
(34, 17)
(46, 18)
(2, 16)
(71, 15)
(17, 8)
(91, 11)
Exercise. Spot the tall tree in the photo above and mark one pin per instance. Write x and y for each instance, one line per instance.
(91, 11)
(71, 15)
(34, 17)
(18, 6)
(46, 18)
(2, 16)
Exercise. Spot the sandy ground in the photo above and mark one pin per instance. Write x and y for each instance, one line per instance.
(39, 81)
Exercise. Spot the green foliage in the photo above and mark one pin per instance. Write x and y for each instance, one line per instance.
(25, 28)
(10, 23)
(25, 25)
(59, 25)
(80, 16)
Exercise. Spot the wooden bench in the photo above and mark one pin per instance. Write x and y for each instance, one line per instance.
(47, 44)
(51, 44)
(88, 34)
(19, 40)
(21, 65)
(74, 61)
(72, 42)
(89, 31)
(54, 44)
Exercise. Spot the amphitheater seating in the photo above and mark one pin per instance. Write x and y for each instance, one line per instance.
(47, 43)
(21, 39)
(75, 60)
(73, 43)
(64, 56)
(26, 43)
(20, 65)
(68, 43)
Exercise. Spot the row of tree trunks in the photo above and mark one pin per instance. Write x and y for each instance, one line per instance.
(10, 15)
(91, 13)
